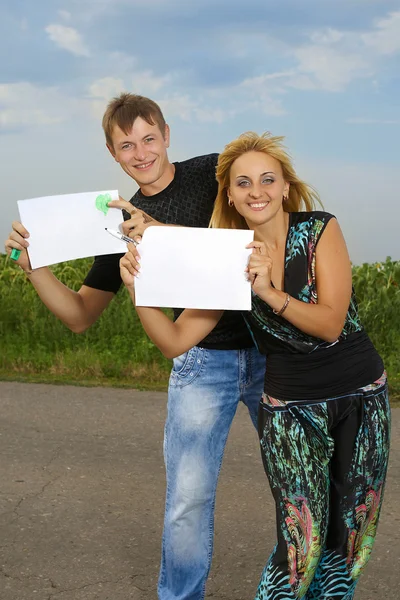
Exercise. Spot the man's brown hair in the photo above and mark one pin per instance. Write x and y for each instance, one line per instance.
(123, 110)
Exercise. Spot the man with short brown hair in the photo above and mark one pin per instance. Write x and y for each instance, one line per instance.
(206, 383)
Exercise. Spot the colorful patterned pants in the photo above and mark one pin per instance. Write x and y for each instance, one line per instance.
(326, 463)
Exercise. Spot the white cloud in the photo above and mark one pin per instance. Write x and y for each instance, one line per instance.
(332, 59)
(11, 118)
(185, 108)
(327, 36)
(26, 105)
(330, 69)
(106, 87)
(218, 105)
(386, 38)
(260, 93)
(181, 106)
(207, 108)
(336, 58)
(212, 115)
(68, 39)
(146, 83)
(142, 82)
(102, 90)
(65, 15)
(119, 62)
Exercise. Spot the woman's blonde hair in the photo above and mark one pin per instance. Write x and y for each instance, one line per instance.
(300, 193)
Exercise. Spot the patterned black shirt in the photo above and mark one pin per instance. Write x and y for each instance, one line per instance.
(300, 366)
(275, 334)
(188, 201)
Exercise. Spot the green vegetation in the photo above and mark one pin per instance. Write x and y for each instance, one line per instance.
(377, 288)
(35, 346)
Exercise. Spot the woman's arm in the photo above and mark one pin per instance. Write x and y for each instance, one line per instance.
(172, 338)
(324, 320)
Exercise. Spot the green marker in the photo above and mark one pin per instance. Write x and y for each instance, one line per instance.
(102, 201)
(15, 254)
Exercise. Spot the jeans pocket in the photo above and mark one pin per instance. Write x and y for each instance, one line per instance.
(187, 366)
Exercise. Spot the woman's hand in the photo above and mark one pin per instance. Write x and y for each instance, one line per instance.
(259, 269)
(129, 266)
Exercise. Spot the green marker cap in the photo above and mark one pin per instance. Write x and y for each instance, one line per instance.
(15, 254)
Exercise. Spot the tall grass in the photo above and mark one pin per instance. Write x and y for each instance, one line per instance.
(34, 343)
(115, 350)
(378, 292)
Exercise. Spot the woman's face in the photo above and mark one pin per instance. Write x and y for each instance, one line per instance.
(257, 187)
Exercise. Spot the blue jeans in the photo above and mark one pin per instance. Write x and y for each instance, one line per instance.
(204, 391)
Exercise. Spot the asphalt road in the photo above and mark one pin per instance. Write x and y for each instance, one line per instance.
(82, 494)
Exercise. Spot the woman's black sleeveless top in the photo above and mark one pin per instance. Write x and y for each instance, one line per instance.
(300, 366)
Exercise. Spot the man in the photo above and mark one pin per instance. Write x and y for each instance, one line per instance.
(207, 382)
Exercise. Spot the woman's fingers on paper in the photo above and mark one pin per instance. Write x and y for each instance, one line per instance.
(260, 260)
(127, 277)
(131, 257)
(258, 247)
(251, 275)
(126, 263)
(134, 251)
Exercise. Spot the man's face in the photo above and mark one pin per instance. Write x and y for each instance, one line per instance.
(142, 153)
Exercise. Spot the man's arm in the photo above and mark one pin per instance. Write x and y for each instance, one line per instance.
(77, 310)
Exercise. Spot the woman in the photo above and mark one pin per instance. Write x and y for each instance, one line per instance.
(324, 418)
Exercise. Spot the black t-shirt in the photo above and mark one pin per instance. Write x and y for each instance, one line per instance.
(188, 201)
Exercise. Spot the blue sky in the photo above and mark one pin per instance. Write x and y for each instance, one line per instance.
(324, 73)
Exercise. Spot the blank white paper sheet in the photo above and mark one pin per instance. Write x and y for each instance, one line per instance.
(70, 226)
(190, 267)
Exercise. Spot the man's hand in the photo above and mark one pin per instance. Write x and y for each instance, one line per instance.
(139, 221)
(18, 239)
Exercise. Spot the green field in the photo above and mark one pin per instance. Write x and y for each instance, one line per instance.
(35, 346)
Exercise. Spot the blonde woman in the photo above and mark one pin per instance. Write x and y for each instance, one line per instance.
(324, 417)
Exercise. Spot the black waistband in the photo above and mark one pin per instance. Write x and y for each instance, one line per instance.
(346, 366)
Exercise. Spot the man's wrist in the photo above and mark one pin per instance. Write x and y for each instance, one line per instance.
(31, 272)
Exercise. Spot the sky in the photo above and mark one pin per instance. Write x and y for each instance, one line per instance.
(323, 73)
